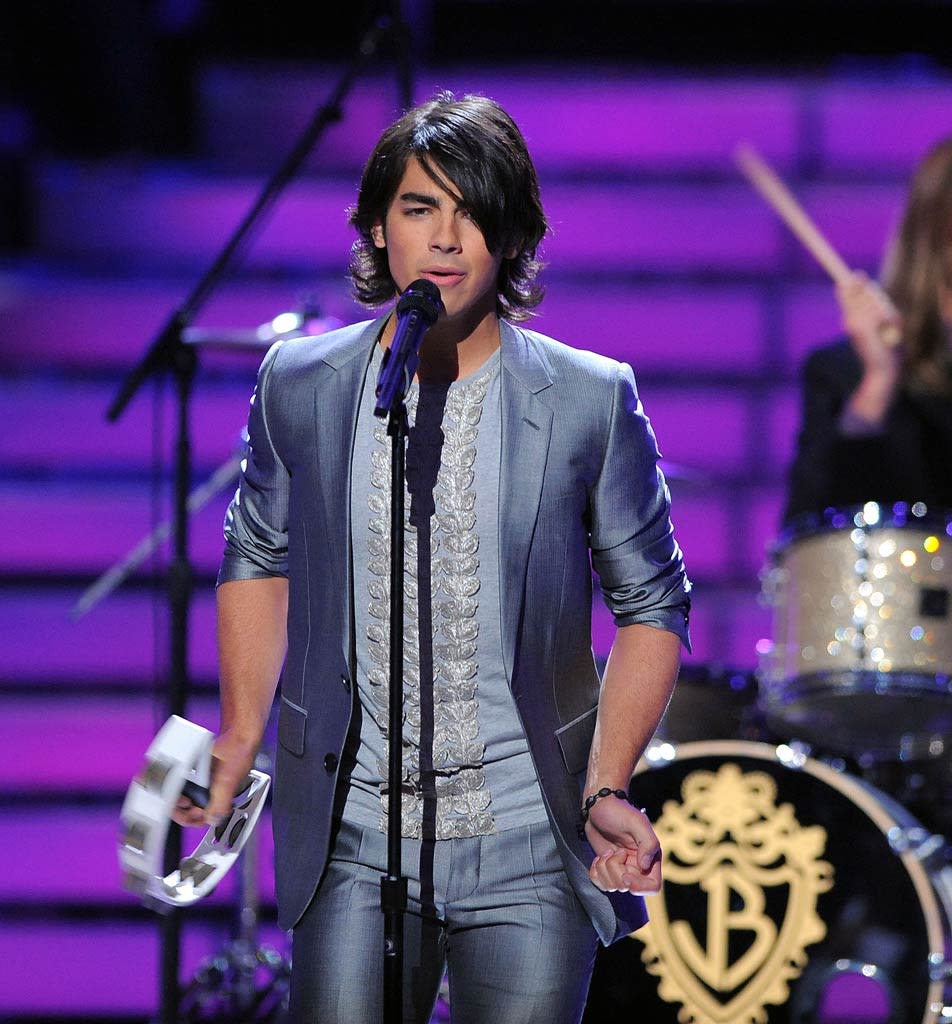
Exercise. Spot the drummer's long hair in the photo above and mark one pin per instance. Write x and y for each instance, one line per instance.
(917, 272)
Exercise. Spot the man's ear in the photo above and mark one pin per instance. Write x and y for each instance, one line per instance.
(379, 239)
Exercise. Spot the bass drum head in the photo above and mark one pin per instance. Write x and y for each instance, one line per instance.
(792, 893)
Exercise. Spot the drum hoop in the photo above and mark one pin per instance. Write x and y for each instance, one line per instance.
(807, 525)
(859, 680)
(863, 799)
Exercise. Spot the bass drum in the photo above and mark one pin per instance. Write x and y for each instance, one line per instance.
(792, 893)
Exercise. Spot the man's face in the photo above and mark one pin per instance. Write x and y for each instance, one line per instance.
(427, 233)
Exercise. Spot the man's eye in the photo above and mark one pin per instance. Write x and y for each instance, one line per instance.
(416, 211)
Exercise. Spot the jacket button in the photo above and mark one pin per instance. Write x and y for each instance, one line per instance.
(345, 682)
(330, 762)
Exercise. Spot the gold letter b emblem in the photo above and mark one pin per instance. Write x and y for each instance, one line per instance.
(728, 839)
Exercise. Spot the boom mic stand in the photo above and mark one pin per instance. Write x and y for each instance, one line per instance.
(169, 352)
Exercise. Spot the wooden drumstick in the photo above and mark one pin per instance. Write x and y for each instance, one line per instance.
(769, 185)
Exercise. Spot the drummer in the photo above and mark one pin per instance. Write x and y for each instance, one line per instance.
(877, 404)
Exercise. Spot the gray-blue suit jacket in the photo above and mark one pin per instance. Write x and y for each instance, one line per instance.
(578, 488)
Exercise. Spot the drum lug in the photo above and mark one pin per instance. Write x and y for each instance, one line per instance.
(772, 579)
(940, 969)
(794, 754)
(931, 849)
(660, 752)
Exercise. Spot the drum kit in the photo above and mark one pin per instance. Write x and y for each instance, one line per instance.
(803, 808)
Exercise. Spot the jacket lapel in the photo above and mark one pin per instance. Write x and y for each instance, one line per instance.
(526, 423)
(526, 430)
(336, 405)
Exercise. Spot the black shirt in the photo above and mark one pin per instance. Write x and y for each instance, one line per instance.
(909, 460)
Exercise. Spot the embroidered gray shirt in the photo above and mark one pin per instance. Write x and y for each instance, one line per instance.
(466, 765)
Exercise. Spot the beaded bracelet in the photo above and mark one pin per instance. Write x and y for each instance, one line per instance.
(590, 803)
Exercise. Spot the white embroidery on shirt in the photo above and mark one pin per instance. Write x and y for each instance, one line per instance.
(462, 799)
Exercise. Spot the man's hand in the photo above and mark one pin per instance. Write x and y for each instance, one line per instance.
(627, 851)
(232, 758)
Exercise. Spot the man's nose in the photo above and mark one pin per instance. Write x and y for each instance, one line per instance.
(445, 237)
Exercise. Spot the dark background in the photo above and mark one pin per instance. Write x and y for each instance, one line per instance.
(101, 76)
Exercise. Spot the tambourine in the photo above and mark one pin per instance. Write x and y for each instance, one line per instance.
(178, 762)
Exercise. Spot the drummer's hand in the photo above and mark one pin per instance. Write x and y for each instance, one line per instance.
(872, 322)
(232, 758)
(627, 851)
(873, 325)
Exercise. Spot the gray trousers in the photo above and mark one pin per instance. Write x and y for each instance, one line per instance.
(497, 911)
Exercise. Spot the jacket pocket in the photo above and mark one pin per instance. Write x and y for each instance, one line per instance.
(292, 719)
(575, 741)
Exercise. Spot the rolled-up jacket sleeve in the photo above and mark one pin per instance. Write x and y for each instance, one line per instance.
(256, 523)
(634, 553)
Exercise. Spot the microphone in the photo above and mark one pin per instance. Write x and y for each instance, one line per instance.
(417, 311)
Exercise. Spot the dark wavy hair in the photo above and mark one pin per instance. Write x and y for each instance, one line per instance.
(471, 147)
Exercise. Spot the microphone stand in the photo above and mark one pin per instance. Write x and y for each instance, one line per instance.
(393, 885)
(169, 352)
(417, 311)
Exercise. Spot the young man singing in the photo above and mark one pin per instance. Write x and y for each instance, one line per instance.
(528, 463)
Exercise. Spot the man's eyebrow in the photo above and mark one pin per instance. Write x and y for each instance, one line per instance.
(419, 197)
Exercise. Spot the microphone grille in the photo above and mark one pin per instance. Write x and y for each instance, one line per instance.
(421, 296)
